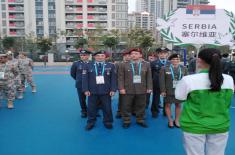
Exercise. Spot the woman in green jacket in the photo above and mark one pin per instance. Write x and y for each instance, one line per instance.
(205, 119)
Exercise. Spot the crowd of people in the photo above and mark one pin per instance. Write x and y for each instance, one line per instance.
(206, 94)
(14, 73)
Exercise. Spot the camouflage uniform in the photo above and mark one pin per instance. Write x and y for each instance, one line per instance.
(7, 83)
(18, 85)
(25, 67)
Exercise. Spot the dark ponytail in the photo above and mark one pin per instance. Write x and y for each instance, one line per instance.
(213, 58)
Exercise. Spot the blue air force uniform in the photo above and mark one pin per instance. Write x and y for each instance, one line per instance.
(99, 91)
(156, 66)
(76, 73)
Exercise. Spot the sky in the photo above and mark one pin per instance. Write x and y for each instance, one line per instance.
(220, 4)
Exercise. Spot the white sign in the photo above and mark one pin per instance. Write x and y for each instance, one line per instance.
(195, 26)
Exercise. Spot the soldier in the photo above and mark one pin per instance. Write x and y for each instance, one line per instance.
(126, 58)
(225, 63)
(169, 77)
(134, 81)
(156, 67)
(231, 68)
(7, 74)
(18, 85)
(26, 66)
(99, 82)
(151, 58)
(76, 73)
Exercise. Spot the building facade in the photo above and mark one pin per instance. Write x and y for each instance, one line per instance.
(47, 18)
(143, 20)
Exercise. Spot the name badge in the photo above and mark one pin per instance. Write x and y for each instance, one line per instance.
(2, 75)
(137, 79)
(175, 82)
(99, 79)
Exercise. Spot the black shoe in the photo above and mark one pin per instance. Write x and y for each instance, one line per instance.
(89, 127)
(169, 126)
(84, 115)
(177, 126)
(108, 126)
(126, 125)
(154, 115)
(143, 124)
(118, 116)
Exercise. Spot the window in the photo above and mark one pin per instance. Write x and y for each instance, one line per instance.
(4, 23)
(113, 24)
(113, 16)
(3, 7)
(113, 7)
(4, 15)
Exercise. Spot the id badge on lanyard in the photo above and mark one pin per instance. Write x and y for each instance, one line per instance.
(136, 78)
(99, 78)
(175, 82)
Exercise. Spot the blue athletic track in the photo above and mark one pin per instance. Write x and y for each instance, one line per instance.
(49, 123)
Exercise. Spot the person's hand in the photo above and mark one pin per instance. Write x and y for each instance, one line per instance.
(122, 91)
(149, 91)
(163, 94)
(87, 93)
(112, 93)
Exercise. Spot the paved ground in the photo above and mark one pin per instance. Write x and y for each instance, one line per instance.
(49, 123)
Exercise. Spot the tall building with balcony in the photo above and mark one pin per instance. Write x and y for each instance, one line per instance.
(89, 15)
(15, 18)
(47, 18)
(142, 20)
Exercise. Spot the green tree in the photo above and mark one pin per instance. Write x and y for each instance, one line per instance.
(8, 43)
(110, 42)
(141, 38)
(81, 42)
(44, 45)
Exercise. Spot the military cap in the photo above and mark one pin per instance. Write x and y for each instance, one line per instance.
(135, 50)
(163, 49)
(85, 52)
(100, 52)
(174, 56)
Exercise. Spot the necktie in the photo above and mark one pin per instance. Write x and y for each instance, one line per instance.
(136, 68)
(99, 68)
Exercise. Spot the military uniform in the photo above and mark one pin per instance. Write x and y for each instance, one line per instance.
(156, 66)
(18, 85)
(231, 69)
(7, 75)
(169, 76)
(99, 79)
(135, 79)
(76, 73)
(25, 67)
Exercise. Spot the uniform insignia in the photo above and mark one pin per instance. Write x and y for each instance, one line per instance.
(84, 71)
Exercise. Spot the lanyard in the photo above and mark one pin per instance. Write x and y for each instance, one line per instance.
(133, 68)
(96, 70)
(172, 72)
(163, 62)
